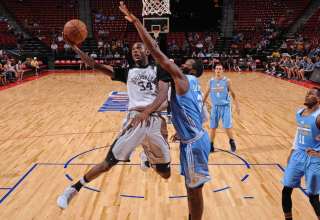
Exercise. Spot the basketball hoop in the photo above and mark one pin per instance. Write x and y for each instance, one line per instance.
(158, 7)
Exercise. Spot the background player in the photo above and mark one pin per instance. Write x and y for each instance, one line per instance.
(304, 158)
(147, 92)
(219, 89)
(186, 118)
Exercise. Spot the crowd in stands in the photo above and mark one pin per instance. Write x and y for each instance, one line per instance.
(112, 49)
(293, 67)
(258, 39)
(194, 45)
(10, 30)
(12, 70)
(296, 59)
(106, 49)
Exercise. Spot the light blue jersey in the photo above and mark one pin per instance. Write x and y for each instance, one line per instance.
(186, 110)
(187, 119)
(308, 134)
(219, 92)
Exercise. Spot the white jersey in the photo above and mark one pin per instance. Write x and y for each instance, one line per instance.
(142, 84)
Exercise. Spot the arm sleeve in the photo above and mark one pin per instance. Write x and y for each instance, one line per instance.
(120, 74)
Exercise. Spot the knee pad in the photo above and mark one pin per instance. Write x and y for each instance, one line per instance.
(110, 158)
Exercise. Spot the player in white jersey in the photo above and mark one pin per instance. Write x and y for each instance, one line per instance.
(144, 124)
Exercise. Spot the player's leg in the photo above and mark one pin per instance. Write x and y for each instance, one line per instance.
(313, 184)
(292, 178)
(120, 150)
(156, 147)
(214, 122)
(227, 124)
(65, 198)
(213, 132)
(195, 202)
(287, 202)
(314, 200)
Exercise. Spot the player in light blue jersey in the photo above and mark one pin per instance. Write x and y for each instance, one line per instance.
(219, 90)
(186, 117)
(304, 158)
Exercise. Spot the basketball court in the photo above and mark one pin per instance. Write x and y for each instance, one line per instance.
(52, 132)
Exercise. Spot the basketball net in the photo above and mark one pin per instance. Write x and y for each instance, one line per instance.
(156, 34)
(158, 7)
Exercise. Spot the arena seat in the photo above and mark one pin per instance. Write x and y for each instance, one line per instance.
(51, 15)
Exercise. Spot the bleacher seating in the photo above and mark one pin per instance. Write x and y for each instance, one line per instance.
(49, 14)
(250, 13)
(117, 25)
(6, 39)
(311, 28)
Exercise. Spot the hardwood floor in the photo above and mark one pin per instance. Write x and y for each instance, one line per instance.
(46, 122)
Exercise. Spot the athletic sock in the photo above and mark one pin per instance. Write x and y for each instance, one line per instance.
(83, 181)
(147, 163)
(232, 145)
(211, 147)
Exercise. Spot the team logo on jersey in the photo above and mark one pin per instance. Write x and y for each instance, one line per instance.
(318, 138)
(218, 88)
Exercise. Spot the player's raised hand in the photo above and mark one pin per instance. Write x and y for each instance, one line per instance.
(128, 15)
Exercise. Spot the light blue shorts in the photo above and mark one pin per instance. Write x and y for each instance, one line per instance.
(194, 161)
(301, 164)
(222, 112)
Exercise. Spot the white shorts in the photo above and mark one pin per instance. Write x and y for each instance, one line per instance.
(152, 135)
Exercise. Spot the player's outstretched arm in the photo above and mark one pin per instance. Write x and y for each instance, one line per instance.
(181, 82)
(106, 69)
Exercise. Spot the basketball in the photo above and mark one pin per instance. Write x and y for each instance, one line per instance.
(75, 31)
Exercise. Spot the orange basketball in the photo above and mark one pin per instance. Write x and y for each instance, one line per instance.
(75, 31)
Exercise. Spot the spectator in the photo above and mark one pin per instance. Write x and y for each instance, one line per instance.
(117, 55)
(54, 48)
(19, 71)
(2, 75)
(9, 72)
(35, 66)
(317, 64)
(308, 69)
(93, 55)
(67, 48)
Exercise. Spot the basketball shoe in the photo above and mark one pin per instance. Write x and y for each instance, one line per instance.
(64, 199)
